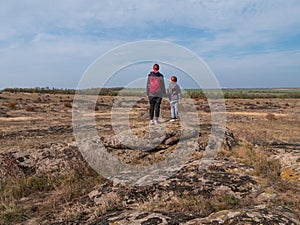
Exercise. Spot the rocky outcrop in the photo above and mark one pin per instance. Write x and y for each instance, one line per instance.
(150, 138)
(223, 193)
(189, 182)
(258, 215)
(289, 156)
(54, 159)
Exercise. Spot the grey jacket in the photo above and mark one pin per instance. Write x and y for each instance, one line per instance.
(174, 92)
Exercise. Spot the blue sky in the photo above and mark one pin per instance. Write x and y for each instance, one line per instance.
(246, 43)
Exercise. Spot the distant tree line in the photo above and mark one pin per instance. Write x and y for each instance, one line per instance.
(100, 91)
(41, 90)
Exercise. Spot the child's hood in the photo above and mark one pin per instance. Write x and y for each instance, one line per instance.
(172, 84)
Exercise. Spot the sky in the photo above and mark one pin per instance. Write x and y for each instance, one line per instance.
(245, 43)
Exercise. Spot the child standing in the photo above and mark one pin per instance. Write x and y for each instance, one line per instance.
(174, 94)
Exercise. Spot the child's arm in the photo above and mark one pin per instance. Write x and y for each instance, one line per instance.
(168, 92)
(179, 93)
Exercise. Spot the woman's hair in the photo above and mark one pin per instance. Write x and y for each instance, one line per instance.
(156, 66)
(174, 78)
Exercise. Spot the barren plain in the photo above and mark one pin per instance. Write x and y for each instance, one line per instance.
(254, 179)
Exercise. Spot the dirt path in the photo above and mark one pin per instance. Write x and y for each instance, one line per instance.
(255, 113)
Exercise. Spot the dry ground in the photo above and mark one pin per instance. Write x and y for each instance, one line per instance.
(34, 120)
(252, 120)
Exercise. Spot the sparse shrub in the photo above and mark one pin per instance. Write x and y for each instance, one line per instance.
(245, 103)
(265, 167)
(70, 187)
(119, 104)
(9, 167)
(68, 104)
(38, 100)
(11, 105)
(30, 109)
(202, 204)
(256, 157)
(206, 109)
(110, 203)
(223, 201)
(28, 185)
(270, 116)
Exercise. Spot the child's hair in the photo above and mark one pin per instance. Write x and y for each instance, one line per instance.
(174, 78)
(156, 66)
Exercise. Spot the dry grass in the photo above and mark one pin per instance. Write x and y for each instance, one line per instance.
(18, 194)
(255, 156)
(270, 116)
(203, 205)
(11, 105)
(268, 172)
(271, 120)
(29, 108)
(110, 203)
(68, 104)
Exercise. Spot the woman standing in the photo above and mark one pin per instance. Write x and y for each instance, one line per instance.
(155, 91)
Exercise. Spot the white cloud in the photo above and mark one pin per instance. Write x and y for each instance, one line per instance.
(58, 33)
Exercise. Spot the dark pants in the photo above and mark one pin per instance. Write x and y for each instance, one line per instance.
(154, 106)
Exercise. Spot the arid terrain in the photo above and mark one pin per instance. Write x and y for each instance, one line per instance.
(254, 178)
